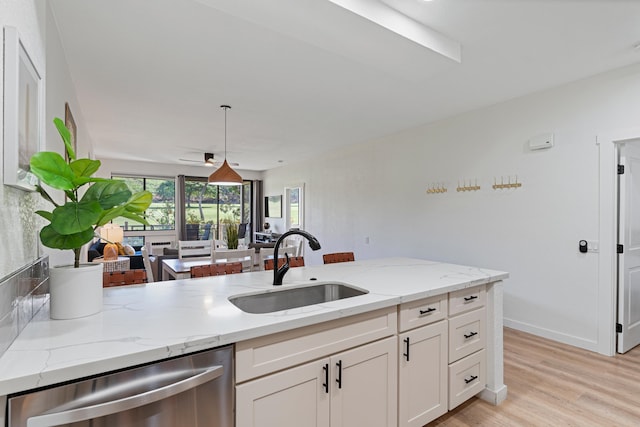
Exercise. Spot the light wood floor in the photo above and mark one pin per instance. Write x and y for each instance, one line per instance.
(552, 384)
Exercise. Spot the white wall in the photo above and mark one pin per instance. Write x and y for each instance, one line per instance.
(18, 228)
(111, 166)
(377, 190)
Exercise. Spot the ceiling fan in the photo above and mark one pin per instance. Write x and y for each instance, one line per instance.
(208, 161)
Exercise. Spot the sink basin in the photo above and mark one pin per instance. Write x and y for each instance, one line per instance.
(276, 300)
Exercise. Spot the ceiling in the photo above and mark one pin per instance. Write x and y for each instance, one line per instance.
(305, 77)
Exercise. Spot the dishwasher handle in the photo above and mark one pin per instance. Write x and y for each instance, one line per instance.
(126, 403)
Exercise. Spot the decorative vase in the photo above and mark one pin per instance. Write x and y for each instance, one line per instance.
(75, 292)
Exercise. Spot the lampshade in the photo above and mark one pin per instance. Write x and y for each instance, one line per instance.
(112, 233)
(225, 175)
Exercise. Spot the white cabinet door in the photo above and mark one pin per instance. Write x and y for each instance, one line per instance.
(364, 386)
(422, 377)
(296, 397)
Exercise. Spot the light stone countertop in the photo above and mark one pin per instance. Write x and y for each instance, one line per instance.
(146, 323)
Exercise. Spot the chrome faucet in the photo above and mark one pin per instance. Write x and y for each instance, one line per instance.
(278, 273)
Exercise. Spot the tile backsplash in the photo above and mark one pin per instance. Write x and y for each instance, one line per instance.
(22, 294)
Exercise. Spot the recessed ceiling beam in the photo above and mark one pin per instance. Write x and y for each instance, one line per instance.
(404, 26)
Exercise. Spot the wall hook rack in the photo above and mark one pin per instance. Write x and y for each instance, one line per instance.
(506, 185)
(468, 186)
(436, 188)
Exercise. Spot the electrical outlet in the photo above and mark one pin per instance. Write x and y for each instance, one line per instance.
(593, 246)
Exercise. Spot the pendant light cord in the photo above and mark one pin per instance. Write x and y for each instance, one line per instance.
(226, 107)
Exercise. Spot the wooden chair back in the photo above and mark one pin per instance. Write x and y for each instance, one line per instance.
(265, 253)
(245, 256)
(338, 257)
(125, 277)
(194, 248)
(296, 261)
(216, 269)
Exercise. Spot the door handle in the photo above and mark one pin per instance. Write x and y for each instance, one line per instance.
(325, 368)
(339, 377)
(126, 403)
(406, 341)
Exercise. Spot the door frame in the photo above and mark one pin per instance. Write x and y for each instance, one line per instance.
(608, 237)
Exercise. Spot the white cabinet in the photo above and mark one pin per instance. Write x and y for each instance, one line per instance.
(340, 373)
(467, 340)
(352, 388)
(402, 366)
(364, 385)
(292, 398)
(422, 377)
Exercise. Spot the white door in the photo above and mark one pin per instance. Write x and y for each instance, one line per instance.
(365, 386)
(296, 397)
(629, 237)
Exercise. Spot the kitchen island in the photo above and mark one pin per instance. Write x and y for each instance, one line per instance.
(146, 323)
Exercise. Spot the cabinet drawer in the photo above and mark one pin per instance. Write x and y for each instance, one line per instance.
(467, 377)
(422, 312)
(282, 350)
(467, 299)
(467, 334)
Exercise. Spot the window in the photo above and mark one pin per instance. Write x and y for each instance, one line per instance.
(161, 214)
(209, 207)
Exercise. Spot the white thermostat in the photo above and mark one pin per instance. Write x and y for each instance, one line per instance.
(541, 141)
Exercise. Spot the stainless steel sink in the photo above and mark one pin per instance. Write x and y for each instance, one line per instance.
(285, 299)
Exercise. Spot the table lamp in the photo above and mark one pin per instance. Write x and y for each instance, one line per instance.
(111, 234)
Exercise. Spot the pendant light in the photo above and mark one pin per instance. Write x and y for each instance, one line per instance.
(224, 175)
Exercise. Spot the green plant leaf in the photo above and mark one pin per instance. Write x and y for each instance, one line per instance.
(66, 137)
(51, 168)
(135, 217)
(85, 167)
(139, 202)
(45, 214)
(72, 217)
(52, 239)
(108, 193)
(110, 214)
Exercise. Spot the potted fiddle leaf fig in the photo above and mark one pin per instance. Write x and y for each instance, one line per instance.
(91, 202)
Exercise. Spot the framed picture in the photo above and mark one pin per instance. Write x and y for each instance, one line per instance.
(70, 123)
(273, 207)
(23, 106)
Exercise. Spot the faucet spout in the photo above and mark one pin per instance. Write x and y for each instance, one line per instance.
(278, 273)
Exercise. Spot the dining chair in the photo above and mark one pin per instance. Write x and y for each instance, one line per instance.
(245, 256)
(194, 248)
(296, 261)
(216, 269)
(123, 277)
(265, 253)
(147, 263)
(338, 257)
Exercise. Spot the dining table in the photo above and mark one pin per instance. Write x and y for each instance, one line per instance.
(180, 268)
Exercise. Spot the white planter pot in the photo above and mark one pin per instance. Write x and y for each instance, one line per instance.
(75, 292)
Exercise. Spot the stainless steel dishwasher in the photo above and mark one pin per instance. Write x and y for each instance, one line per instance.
(188, 391)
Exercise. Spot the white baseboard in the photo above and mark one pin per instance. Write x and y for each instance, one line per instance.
(573, 340)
